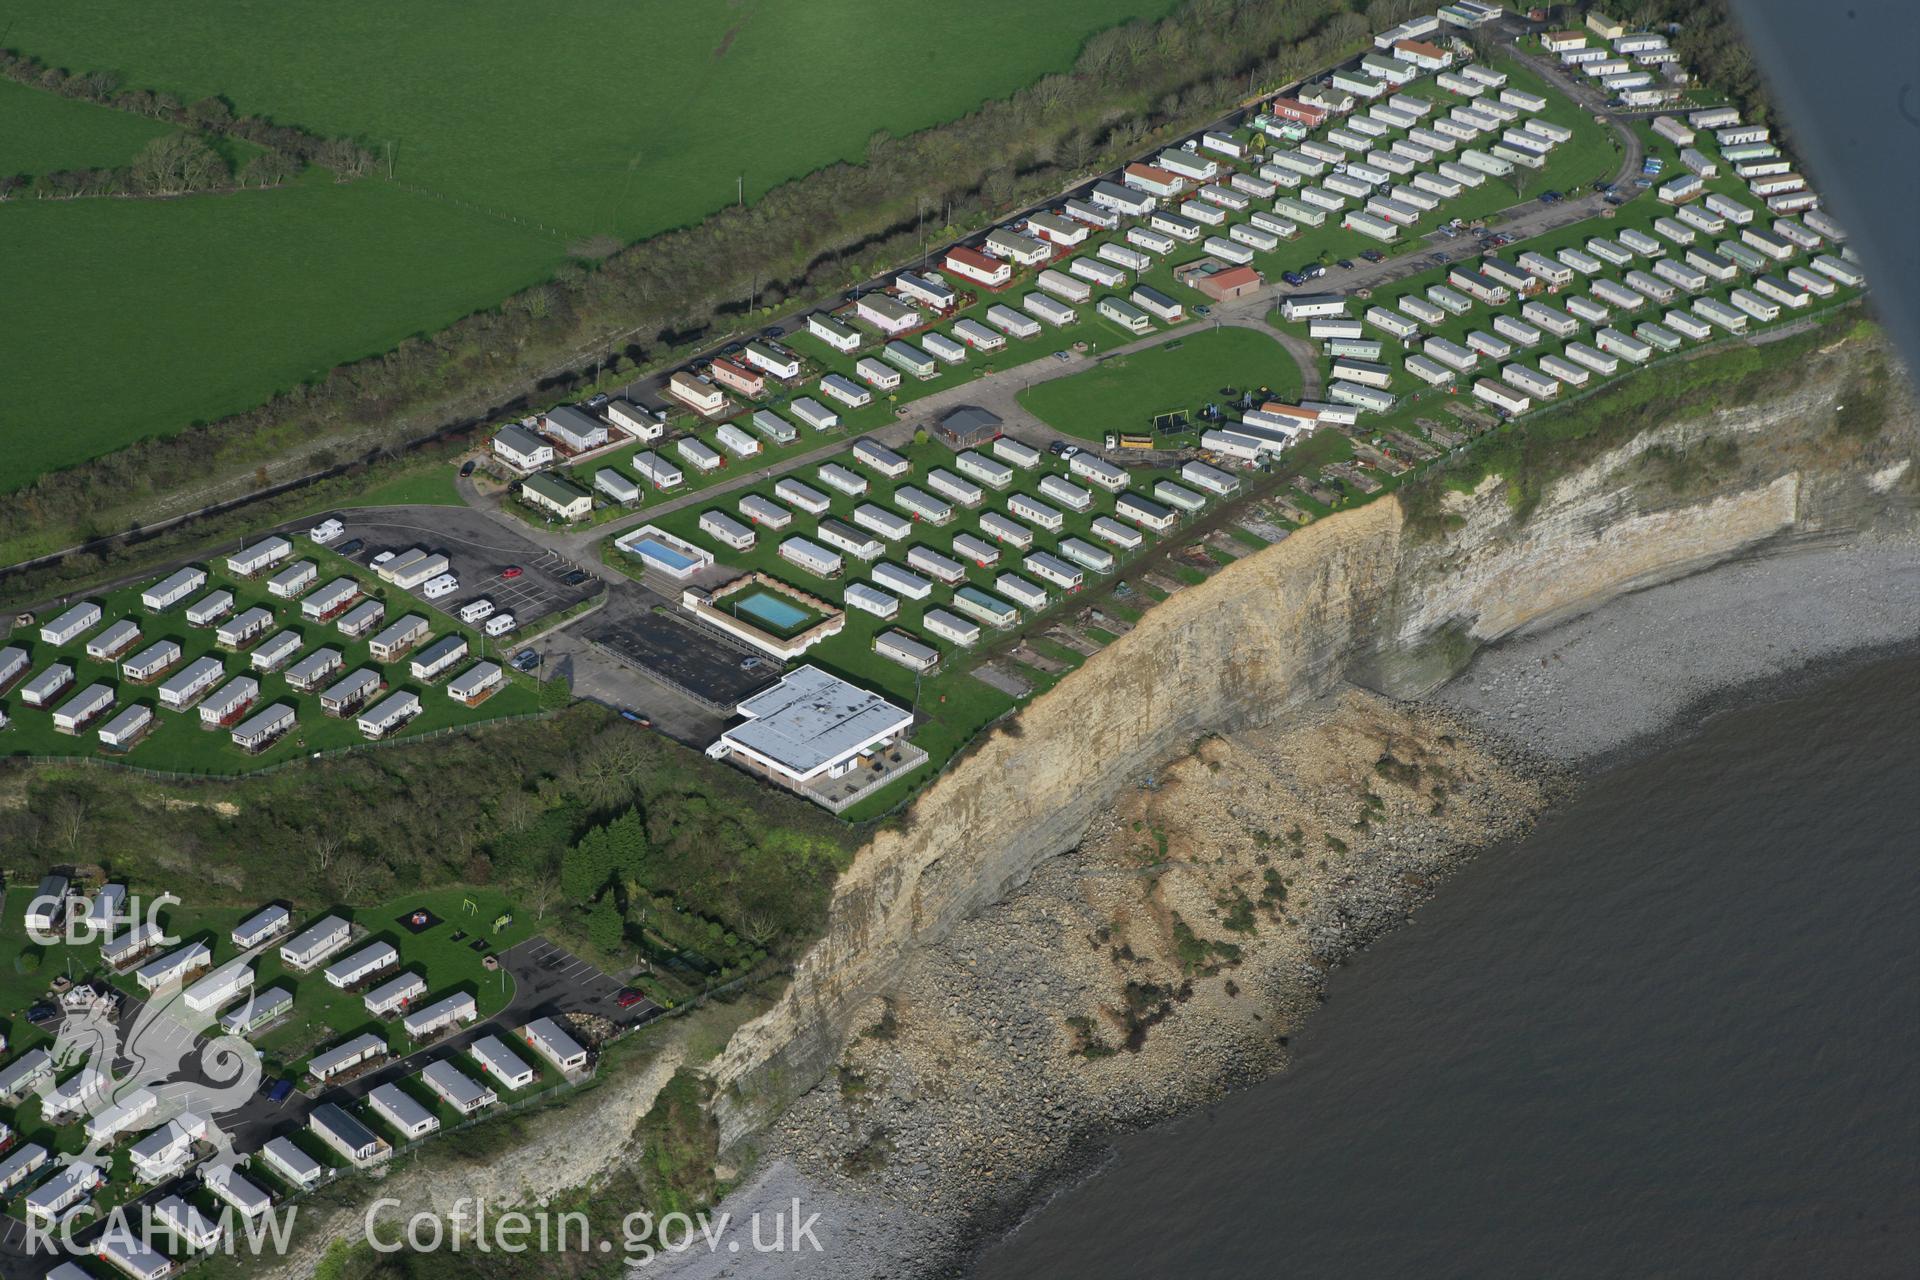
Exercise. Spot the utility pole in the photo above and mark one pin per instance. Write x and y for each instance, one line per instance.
(740, 191)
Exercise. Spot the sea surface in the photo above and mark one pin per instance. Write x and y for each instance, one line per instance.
(1673, 1032)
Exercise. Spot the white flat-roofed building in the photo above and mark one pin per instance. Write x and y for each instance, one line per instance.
(285, 1158)
(456, 1088)
(337, 1128)
(315, 943)
(410, 1117)
(394, 995)
(352, 970)
(448, 1011)
(500, 1064)
(811, 725)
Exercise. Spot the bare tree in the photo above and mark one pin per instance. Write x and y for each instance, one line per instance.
(70, 820)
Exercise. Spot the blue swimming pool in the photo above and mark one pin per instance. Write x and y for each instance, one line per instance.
(662, 554)
(768, 608)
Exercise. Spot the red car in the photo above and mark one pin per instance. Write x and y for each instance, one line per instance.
(512, 571)
(629, 998)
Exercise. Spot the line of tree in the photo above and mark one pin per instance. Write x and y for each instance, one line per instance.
(805, 239)
(174, 164)
(291, 147)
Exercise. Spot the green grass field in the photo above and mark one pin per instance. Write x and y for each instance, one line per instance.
(41, 133)
(178, 743)
(607, 118)
(1122, 393)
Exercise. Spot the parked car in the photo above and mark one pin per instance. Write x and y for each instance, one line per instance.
(279, 1090)
(773, 331)
(351, 546)
(512, 571)
(526, 660)
(1345, 264)
(1062, 356)
(628, 998)
(466, 468)
(575, 578)
(1293, 278)
(1373, 255)
(598, 400)
(40, 1013)
(1202, 309)
(1315, 271)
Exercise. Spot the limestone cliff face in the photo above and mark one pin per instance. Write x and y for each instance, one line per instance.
(1355, 596)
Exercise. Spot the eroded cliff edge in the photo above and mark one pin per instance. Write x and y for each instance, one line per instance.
(1362, 596)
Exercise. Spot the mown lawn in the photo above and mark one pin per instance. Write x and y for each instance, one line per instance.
(1123, 393)
(177, 742)
(514, 130)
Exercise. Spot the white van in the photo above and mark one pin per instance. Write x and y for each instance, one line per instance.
(445, 584)
(326, 531)
(475, 610)
(499, 624)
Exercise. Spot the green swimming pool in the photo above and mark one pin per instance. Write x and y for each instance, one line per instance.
(781, 616)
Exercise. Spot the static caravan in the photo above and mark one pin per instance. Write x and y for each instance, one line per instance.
(454, 1010)
(1613, 293)
(261, 730)
(19, 1167)
(1649, 286)
(941, 347)
(898, 646)
(1124, 314)
(616, 486)
(893, 578)
(833, 333)
(1428, 371)
(1537, 385)
(1359, 397)
(1421, 309)
(1451, 354)
(261, 927)
(725, 530)
(951, 627)
(1011, 532)
(1122, 256)
(173, 588)
(990, 471)
(1458, 303)
(1089, 557)
(186, 687)
(1677, 232)
(1517, 329)
(237, 631)
(225, 705)
(976, 550)
(1715, 266)
(991, 610)
(1465, 175)
(1732, 210)
(1438, 184)
(311, 671)
(1064, 286)
(329, 601)
(1683, 274)
(1762, 309)
(1107, 529)
(1322, 198)
(922, 505)
(300, 1170)
(881, 521)
(811, 556)
(227, 983)
(1814, 282)
(291, 581)
(235, 1190)
(259, 557)
(21, 1074)
(83, 708)
(1095, 470)
(398, 637)
(736, 441)
(1145, 237)
(1487, 344)
(1701, 219)
(49, 684)
(849, 392)
(1778, 290)
(1052, 569)
(174, 967)
(1013, 323)
(1334, 326)
(407, 1114)
(1296, 211)
(1035, 512)
(315, 943)
(978, 336)
(114, 641)
(390, 715)
(1066, 493)
(1365, 372)
(1393, 322)
(844, 537)
(1776, 247)
(394, 995)
(350, 972)
(1656, 336)
(958, 488)
(1124, 200)
(698, 454)
(1176, 226)
(125, 730)
(499, 1063)
(929, 289)
(69, 1186)
(910, 358)
(1797, 233)
(207, 610)
(14, 663)
(1839, 269)
(1502, 396)
(1211, 479)
(456, 1088)
(337, 1129)
(1552, 319)
(1051, 310)
(1627, 347)
(547, 1038)
(1598, 361)
(872, 600)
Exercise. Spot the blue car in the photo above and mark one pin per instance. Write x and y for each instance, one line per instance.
(1293, 277)
(279, 1090)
